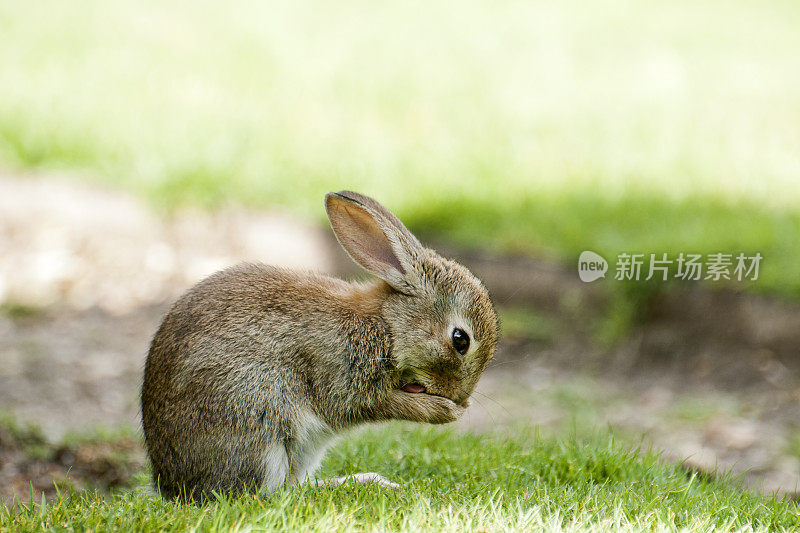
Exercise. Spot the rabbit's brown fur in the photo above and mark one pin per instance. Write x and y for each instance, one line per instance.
(256, 368)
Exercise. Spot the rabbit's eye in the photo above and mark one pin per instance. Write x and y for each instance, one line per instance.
(460, 340)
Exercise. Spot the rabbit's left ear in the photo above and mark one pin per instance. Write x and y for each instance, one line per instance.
(374, 238)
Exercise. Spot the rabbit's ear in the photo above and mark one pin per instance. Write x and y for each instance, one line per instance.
(374, 237)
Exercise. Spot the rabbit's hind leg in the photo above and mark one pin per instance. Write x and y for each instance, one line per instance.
(363, 478)
(275, 465)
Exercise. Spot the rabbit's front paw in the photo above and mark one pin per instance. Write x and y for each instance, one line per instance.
(442, 410)
(421, 407)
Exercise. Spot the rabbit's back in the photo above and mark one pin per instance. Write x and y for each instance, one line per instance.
(225, 380)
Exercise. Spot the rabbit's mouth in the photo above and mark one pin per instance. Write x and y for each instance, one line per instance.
(414, 388)
(418, 388)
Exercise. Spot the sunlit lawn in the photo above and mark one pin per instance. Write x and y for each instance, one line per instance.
(450, 482)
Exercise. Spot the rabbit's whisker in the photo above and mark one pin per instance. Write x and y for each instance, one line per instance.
(486, 396)
(495, 364)
(489, 412)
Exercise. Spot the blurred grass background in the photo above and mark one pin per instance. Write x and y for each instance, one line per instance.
(537, 127)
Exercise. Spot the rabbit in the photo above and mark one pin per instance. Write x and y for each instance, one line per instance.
(256, 369)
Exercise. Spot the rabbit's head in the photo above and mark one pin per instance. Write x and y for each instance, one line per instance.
(443, 323)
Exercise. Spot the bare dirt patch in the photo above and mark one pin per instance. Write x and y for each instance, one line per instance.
(31, 466)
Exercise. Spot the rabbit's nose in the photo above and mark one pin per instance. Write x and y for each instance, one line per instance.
(451, 365)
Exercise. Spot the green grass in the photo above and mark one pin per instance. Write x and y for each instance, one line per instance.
(29, 438)
(522, 323)
(526, 126)
(451, 481)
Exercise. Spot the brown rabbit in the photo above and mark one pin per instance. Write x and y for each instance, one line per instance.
(255, 369)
